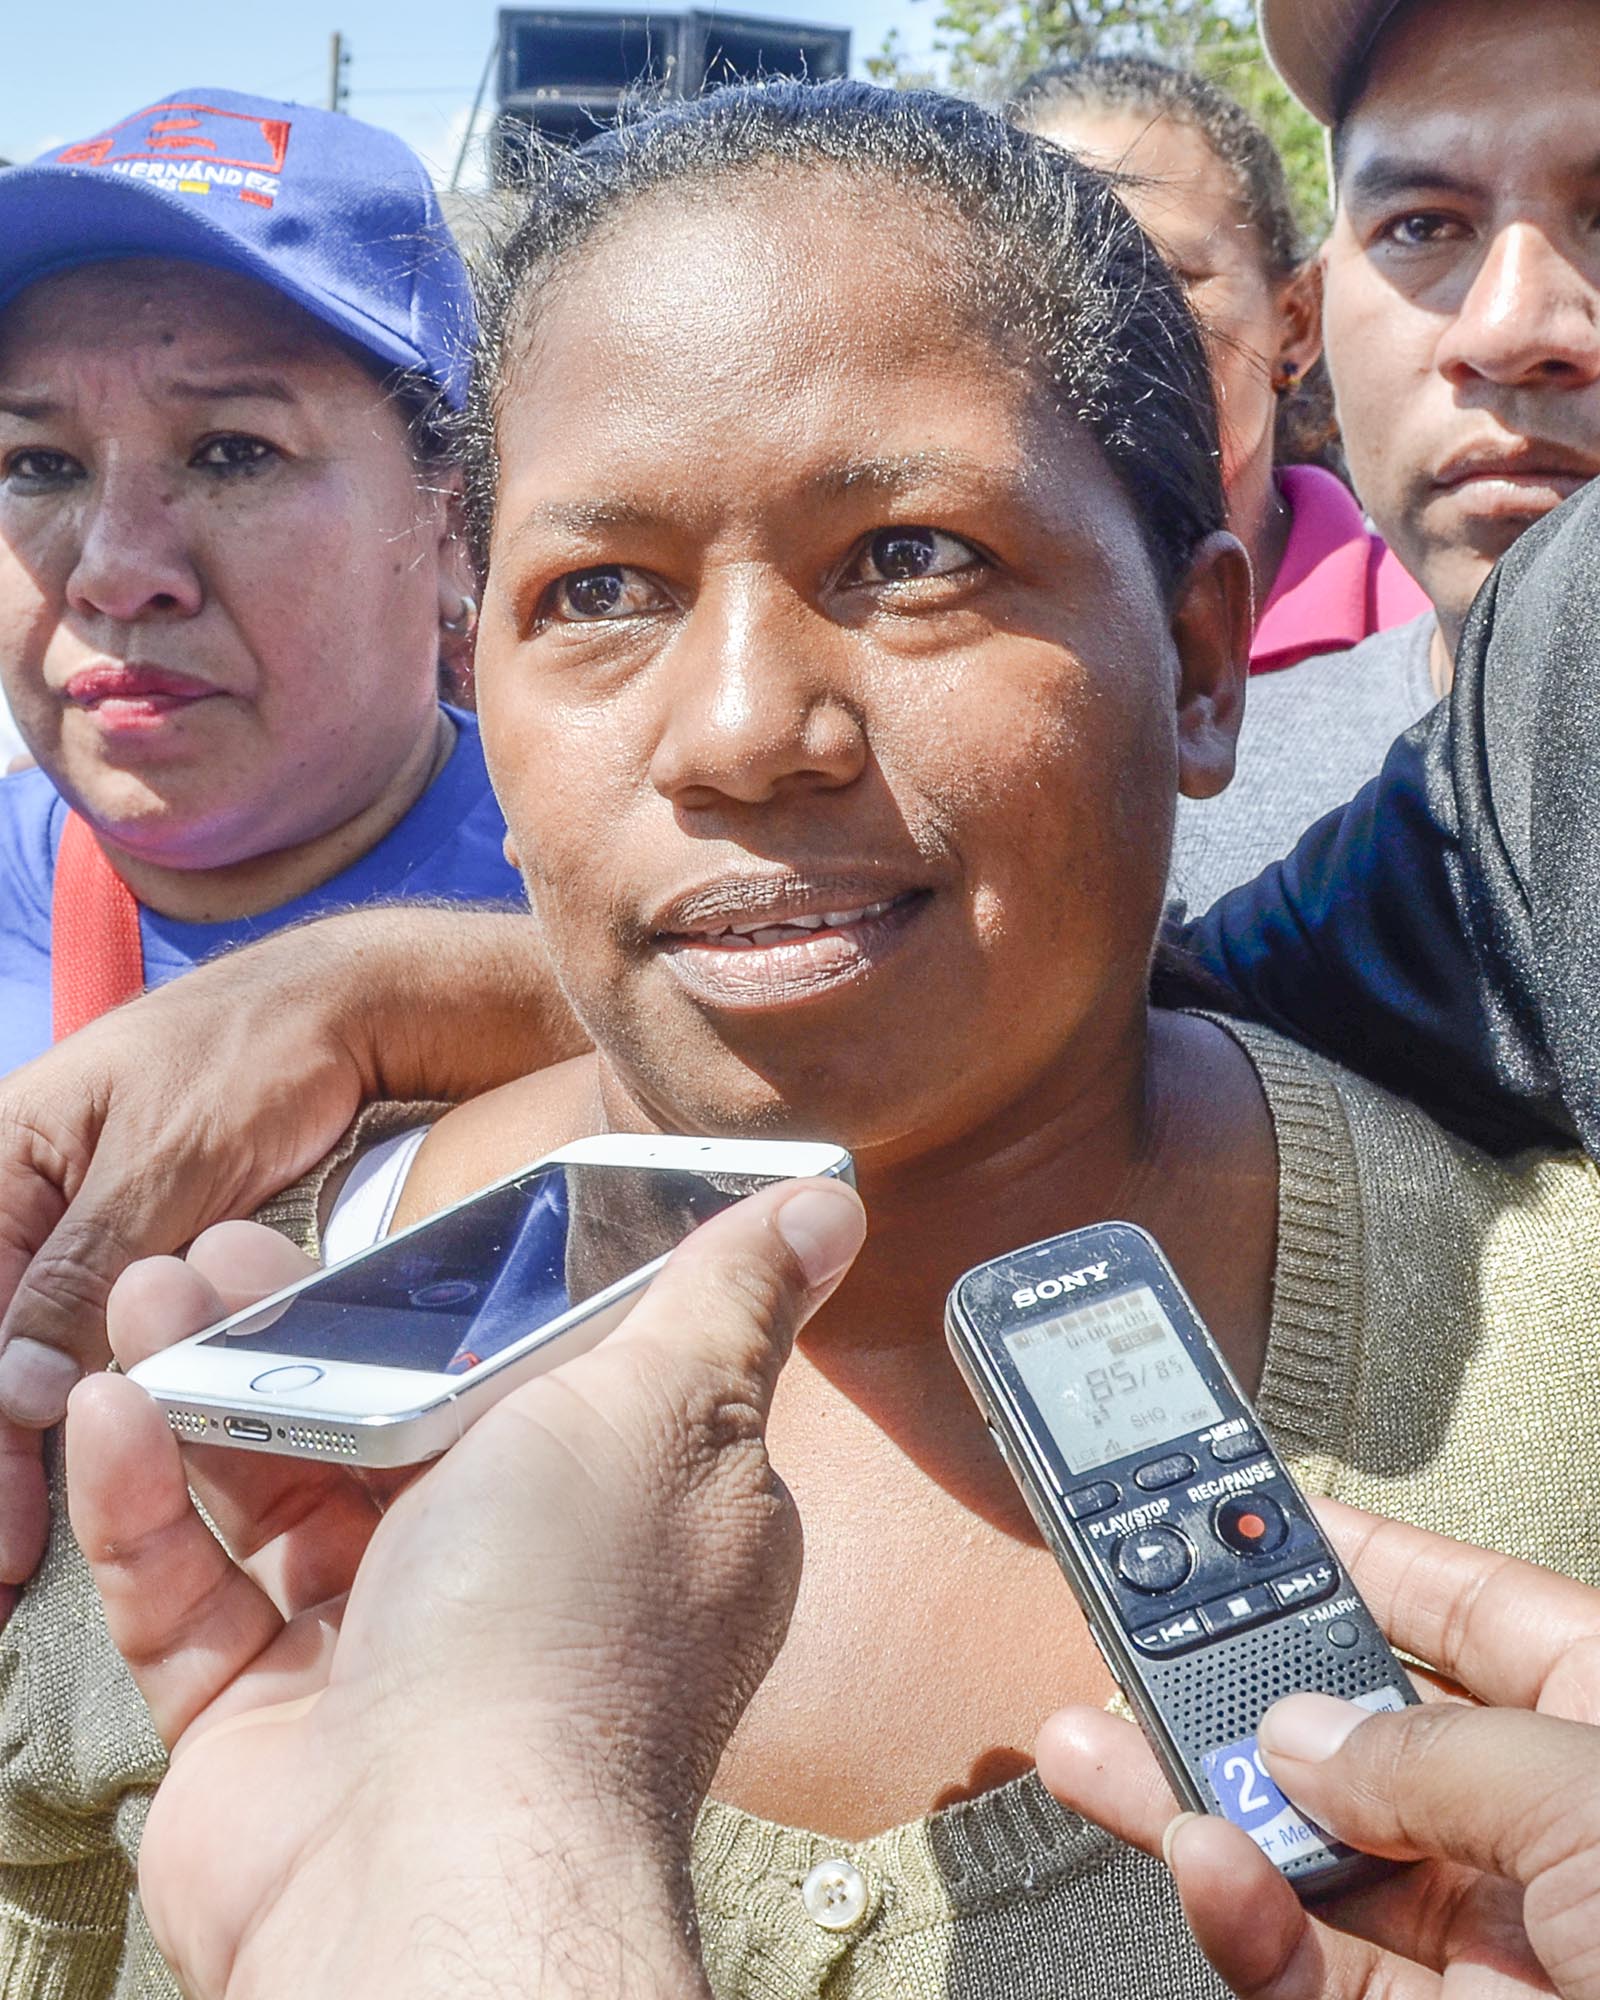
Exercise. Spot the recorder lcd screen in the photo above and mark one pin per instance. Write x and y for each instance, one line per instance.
(462, 1287)
(1111, 1378)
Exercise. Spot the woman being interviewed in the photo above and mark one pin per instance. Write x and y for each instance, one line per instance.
(229, 566)
(858, 602)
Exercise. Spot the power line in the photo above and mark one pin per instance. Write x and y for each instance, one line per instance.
(477, 106)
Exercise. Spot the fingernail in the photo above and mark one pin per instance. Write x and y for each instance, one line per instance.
(824, 1227)
(35, 1382)
(1310, 1727)
(1173, 1828)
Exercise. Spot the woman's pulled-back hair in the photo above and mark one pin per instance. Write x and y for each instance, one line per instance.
(1141, 84)
(1053, 263)
(1307, 431)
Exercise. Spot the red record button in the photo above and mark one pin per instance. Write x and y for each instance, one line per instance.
(1252, 1524)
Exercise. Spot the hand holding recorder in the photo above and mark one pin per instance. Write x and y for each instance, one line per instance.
(1498, 1807)
(1211, 1591)
(1207, 1584)
(511, 1811)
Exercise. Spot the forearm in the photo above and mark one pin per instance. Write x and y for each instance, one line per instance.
(439, 1001)
(213, 1093)
(554, 1927)
(1367, 943)
(447, 1897)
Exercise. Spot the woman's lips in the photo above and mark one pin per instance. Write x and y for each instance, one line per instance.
(779, 961)
(135, 696)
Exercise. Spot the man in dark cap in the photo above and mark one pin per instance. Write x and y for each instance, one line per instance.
(1461, 283)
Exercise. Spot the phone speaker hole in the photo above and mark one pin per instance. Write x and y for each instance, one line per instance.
(189, 1423)
(341, 1444)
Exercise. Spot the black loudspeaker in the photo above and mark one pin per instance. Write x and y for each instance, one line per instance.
(564, 72)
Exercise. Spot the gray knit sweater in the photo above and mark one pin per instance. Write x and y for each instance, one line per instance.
(1432, 1356)
(1313, 735)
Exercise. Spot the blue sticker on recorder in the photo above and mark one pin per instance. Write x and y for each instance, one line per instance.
(1246, 1795)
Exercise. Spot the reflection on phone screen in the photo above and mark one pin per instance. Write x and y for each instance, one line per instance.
(462, 1287)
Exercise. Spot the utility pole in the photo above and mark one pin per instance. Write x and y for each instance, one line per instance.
(338, 70)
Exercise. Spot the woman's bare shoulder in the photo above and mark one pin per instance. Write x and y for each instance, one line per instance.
(491, 1136)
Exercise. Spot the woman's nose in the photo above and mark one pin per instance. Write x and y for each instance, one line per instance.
(755, 703)
(133, 559)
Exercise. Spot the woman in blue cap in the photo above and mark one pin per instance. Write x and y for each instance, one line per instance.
(231, 333)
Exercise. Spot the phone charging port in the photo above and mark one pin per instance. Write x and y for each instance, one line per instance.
(250, 1430)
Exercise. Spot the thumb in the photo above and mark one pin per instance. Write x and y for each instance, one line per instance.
(1507, 1791)
(735, 1293)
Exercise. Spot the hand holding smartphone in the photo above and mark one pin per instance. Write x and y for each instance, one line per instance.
(385, 1359)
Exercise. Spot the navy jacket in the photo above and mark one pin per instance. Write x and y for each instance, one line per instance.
(1442, 932)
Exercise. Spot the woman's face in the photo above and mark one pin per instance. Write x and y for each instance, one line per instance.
(1184, 198)
(825, 678)
(220, 575)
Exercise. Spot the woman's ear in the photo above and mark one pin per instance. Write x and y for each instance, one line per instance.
(1299, 323)
(458, 584)
(1213, 617)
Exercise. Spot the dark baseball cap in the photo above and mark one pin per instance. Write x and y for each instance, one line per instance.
(334, 214)
(1318, 46)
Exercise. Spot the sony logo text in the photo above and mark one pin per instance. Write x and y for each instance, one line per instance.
(1066, 1281)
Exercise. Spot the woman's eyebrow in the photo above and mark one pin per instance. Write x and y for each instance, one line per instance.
(894, 473)
(255, 388)
(883, 475)
(234, 389)
(582, 517)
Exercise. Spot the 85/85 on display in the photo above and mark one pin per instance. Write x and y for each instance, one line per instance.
(1208, 1586)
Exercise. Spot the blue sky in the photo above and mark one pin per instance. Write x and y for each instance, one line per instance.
(74, 66)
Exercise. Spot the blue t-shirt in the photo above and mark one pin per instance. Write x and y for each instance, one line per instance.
(449, 847)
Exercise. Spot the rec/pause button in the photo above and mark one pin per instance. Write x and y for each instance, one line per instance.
(1155, 1560)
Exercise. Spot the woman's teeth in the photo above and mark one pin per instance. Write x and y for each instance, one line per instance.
(750, 937)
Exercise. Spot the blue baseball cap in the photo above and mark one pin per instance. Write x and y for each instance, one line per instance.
(334, 214)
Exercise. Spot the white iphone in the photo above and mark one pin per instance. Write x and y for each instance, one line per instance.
(386, 1358)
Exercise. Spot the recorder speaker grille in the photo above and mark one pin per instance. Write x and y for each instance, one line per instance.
(1242, 1678)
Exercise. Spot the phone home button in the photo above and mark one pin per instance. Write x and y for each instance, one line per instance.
(285, 1380)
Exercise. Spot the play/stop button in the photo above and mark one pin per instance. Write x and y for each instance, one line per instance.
(1157, 1559)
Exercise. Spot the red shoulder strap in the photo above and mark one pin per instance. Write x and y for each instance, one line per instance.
(96, 952)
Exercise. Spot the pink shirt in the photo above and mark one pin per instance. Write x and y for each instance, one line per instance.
(1339, 582)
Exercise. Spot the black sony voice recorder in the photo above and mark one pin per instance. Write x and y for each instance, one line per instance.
(1208, 1585)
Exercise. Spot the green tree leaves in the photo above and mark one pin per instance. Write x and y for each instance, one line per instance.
(986, 47)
